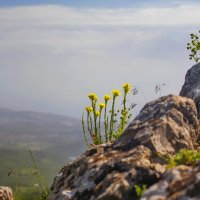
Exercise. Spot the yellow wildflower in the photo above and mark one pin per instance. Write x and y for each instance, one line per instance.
(106, 98)
(89, 109)
(116, 93)
(126, 87)
(97, 113)
(101, 105)
(93, 97)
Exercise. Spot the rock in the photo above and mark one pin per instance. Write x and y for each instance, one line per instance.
(103, 173)
(110, 171)
(164, 126)
(191, 87)
(180, 183)
(6, 193)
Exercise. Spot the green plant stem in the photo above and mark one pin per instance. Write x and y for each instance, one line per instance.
(112, 119)
(84, 132)
(41, 180)
(105, 123)
(91, 125)
(36, 169)
(99, 131)
(124, 113)
(88, 124)
(95, 123)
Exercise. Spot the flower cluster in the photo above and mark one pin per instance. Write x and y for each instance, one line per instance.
(93, 97)
(106, 98)
(101, 105)
(126, 87)
(110, 117)
(116, 93)
(97, 113)
(89, 109)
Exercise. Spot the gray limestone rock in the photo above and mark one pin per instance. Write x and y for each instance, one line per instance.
(164, 126)
(191, 87)
(110, 171)
(180, 183)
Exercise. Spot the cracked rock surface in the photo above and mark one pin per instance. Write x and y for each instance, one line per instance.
(180, 183)
(110, 171)
(191, 87)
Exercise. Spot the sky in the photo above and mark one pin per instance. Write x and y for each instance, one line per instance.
(54, 53)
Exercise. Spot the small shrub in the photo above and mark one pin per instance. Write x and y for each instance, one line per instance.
(194, 47)
(114, 120)
(184, 157)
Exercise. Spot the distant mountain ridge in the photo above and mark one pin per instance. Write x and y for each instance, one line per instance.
(8, 113)
(39, 130)
(39, 120)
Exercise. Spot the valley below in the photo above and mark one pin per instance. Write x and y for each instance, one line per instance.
(53, 140)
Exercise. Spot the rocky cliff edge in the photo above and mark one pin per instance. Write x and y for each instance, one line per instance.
(111, 171)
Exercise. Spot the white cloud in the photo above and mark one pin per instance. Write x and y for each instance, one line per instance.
(61, 15)
(52, 56)
(82, 28)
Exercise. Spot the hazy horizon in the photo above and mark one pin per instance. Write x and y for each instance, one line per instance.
(53, 53)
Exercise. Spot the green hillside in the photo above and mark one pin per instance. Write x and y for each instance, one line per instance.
(53, 140)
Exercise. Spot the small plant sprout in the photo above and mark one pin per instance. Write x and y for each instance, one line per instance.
(140, 190)
(114, 120)
(183, 157)
(194, 47)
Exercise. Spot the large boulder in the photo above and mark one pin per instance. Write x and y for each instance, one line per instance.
(164, 126)
(191, 87)
(111, 171)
